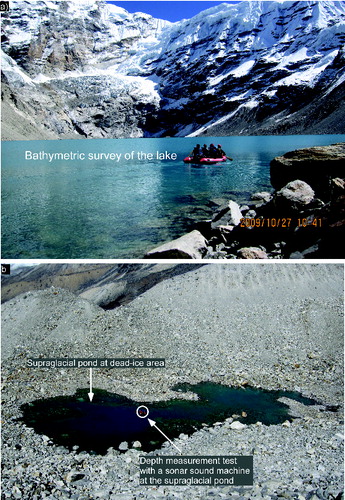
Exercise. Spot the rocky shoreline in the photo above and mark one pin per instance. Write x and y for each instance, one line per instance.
(210, 324)
(303, 218)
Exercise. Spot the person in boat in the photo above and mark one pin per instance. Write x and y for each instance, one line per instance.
(213, 152)
(204, 151)
(220, 151)
(196, 153)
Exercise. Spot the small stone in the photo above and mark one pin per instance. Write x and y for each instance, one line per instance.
(102, 493)
(16, 492)
(69, 475)
(252, 253)
(262, 196)
(237, 425)
(123, 446)
(136, 444)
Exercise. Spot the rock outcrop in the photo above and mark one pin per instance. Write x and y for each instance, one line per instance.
(316, 166)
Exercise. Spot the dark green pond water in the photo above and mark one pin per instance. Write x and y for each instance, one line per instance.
(111, 419)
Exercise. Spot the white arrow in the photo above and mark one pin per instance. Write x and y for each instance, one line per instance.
(153, 424)
(90, 394)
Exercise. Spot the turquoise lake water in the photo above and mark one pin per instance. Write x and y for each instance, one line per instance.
(91, 207)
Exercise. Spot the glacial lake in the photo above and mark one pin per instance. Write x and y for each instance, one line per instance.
(85, 206)
(112, 419)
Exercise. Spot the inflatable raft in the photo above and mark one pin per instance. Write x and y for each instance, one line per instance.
(190, 159)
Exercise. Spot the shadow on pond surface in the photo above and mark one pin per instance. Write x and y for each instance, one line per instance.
(112, 419)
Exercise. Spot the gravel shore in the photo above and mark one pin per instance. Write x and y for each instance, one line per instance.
(266, 325)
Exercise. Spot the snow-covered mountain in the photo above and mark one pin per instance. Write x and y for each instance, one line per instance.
(91, 69)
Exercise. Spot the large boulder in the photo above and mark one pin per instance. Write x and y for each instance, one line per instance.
(316, 166)
(192, 245)
(296, 193)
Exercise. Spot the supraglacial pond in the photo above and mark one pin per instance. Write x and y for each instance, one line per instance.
(111, 419)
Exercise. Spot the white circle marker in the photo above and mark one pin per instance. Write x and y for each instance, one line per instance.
(142, 411)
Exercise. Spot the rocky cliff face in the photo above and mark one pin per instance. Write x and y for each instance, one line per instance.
(91, 69)
(60, 66)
